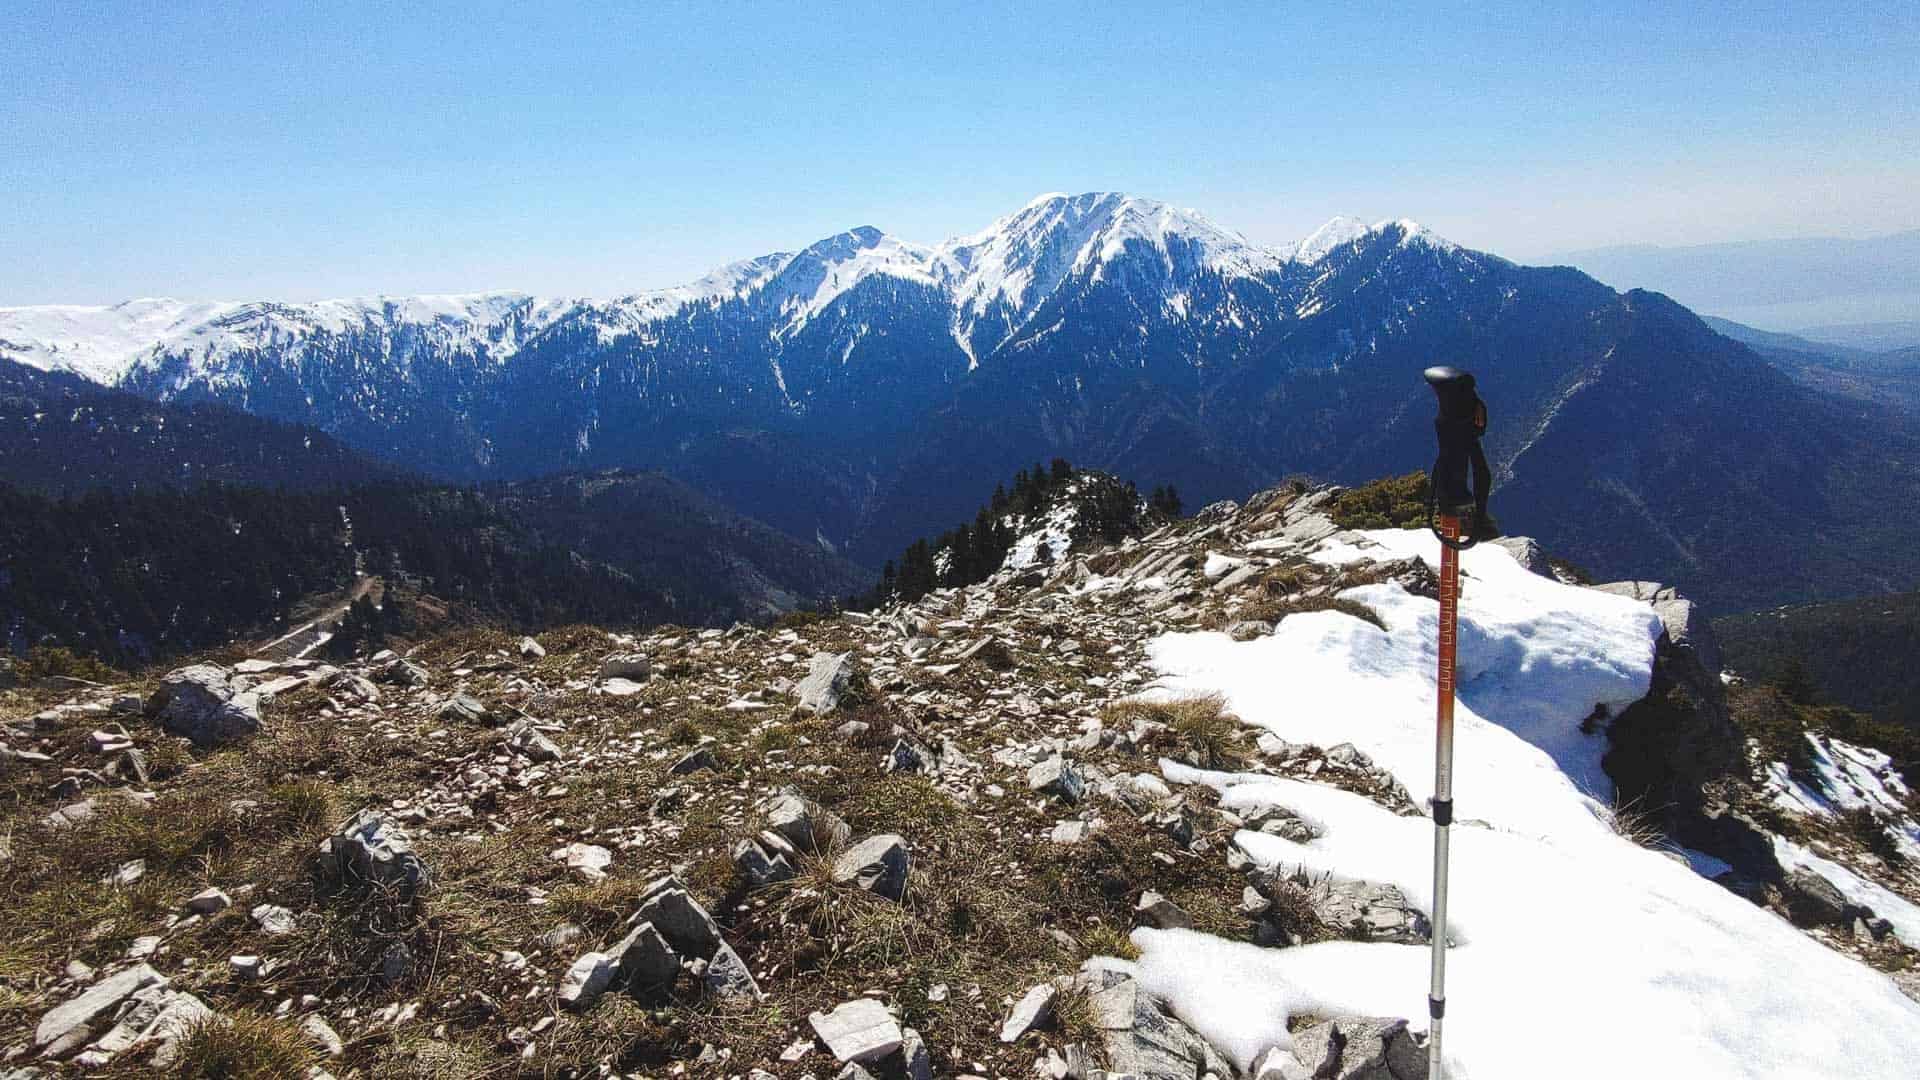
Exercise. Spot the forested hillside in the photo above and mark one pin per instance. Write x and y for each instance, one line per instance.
(62, 435)
(1859, 653)
(132, 577)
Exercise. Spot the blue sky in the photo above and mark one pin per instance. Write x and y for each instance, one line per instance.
(300, 151)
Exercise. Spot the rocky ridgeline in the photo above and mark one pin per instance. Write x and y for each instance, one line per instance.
(871, 845)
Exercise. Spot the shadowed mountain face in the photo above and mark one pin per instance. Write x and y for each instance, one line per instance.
(1857, 653)
(138, 576)
(866, 391)
(62, 435)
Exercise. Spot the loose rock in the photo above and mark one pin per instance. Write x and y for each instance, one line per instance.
(877, 864)
(860, 1030)
(202, 703)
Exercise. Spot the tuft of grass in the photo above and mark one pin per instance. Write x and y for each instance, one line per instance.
(1293, 912)
(1274, 610)
(1634, 822)
(1201, 725)
(243, 1046)
(1074, 1018)
(1867, 830)
(1106, 939)
(304, 806)
(168, 757)
(1283, 580)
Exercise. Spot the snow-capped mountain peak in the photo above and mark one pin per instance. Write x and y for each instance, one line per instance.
(1336, 232)
(994, 280)
(1342, 230)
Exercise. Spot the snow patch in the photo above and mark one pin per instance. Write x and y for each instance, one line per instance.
(1561, 927)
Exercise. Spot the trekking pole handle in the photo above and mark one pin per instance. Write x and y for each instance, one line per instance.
(1457, 429)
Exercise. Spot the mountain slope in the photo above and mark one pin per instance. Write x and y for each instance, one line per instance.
(135, 577)
(1889, 378)
(1858, 653)
(62, 435)
(862, 389)
(1229, 715)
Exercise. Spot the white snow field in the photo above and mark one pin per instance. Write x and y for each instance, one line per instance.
(1576, 953)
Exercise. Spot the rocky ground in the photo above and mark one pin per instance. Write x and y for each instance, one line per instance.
(893, 844)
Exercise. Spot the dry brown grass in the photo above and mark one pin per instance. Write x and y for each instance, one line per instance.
(1199, 726)
(243, 1046)
(1273, 610)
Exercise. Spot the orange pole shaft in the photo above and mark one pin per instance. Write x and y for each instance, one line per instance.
(1443, 782)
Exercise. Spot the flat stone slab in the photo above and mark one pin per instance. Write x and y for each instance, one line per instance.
(69, 1025)
(859, 1030)
(877, 864)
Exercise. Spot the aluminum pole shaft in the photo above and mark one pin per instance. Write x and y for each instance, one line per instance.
(1443, 784)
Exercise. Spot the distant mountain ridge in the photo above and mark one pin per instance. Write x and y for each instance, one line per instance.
(995, 277)
(1781, 283)
(1890, 378)
(865, 389)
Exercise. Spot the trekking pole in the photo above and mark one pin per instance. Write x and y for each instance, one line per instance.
(1458, 426)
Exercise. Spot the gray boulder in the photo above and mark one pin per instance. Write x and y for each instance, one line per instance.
(644, 964)
(202, 703)
(525, 739)
(630, 666)
(464, 709)
(1033, 1009)
(831, 679)
(1057, 777)
(878, 864)
(726, 976)
(697, 760)
(400, 671)
(803, 823)
(150, 1024)
(1370, 912)
(1144, 1041)
(1360, 1048)
(1278, 1064)
(1812, 900)
(1153, 909)
(585, 980)
(368, 850)
(1527, 552)
(679, 918)
(907, 755)
(1249, 629)
(759, 867)
(915, 1061)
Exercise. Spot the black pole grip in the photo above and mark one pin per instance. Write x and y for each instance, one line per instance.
(1457, 430)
